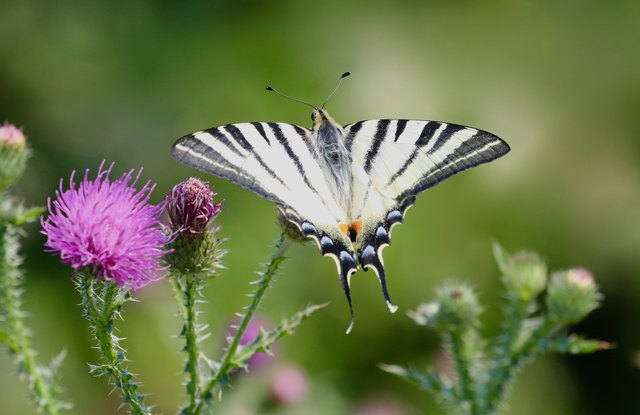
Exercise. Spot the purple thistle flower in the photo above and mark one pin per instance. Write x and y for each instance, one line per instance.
(109, 227)
(190, 206)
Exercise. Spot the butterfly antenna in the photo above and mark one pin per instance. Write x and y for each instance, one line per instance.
(270, 88)
(344, 75)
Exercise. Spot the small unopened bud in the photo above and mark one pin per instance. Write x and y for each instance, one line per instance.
(524, 274)
(13, 154)
(190, 211)
(571, 296)
(456, 307)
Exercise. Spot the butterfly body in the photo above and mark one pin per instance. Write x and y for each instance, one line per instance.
(344, 187)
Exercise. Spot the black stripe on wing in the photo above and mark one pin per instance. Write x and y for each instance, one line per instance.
(233, 147)
(193, 152)
(481, 147)
(375, 238)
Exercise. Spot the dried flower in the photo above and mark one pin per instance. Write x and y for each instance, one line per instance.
(108, 227)
(572, 295)
(13, 154)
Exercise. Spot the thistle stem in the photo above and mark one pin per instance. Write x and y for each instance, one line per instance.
(462, 345)
(515, 359)
(185, 288)
(221, 375)
(15, 336)
(101, 309)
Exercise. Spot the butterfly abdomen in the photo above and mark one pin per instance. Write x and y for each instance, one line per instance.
(334, 160)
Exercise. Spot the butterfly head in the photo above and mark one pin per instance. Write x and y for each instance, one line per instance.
(321, 119)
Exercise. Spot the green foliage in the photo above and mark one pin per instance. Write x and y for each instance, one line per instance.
(485, 368)
(187, 287)
(102, 303)
(14, 334)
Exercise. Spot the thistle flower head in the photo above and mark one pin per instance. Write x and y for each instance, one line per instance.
(190, 211)
(108, 227)
(13, 154)
(190, 206)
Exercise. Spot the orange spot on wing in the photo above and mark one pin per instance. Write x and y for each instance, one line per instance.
(344, 228)
(357, 226)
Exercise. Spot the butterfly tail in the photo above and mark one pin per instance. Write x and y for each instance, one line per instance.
(370, 258)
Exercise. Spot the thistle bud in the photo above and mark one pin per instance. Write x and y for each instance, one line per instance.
(524, 274)
(571, 296)
(190, 211)
(13, 154)
(456, 307)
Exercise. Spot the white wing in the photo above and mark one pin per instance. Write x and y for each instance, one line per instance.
(393, 161)
(275, 160)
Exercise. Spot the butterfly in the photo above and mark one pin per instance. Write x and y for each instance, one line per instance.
(344, 187)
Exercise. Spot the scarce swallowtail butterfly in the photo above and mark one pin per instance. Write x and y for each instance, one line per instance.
(345, 187)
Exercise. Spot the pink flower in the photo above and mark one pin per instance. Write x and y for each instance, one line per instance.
(10, 135)
(190, 206)
(109, 227)
(289, 385)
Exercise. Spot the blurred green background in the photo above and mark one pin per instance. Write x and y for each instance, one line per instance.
(560, 81)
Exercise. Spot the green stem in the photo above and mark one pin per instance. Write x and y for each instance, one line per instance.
(101, 310)
(515, 315)
(185, 288)
(221, 375)
(515, 360)
(462, 349)
(16, 336)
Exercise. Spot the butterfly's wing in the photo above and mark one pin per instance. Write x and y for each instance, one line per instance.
(275, 160)
(395, 160)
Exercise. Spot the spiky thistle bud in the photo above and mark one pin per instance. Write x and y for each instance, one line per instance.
(190, 211)
(13, 154)
(456, 308)
(571, 296)
(524, 274)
